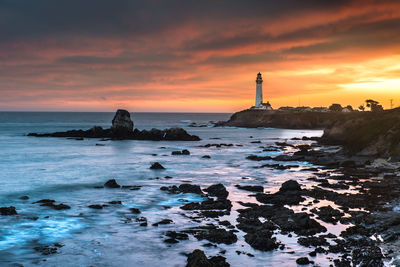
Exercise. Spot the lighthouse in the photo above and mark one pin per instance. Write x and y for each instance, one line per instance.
(259, 95)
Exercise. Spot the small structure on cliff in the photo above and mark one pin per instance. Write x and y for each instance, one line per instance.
(259, 104)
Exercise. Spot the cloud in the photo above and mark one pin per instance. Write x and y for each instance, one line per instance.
(209, 50)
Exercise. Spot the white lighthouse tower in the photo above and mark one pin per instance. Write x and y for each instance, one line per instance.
(259, 95)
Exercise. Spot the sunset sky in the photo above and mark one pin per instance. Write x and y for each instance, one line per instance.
(198, 56)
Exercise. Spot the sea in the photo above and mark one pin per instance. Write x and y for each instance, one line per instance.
(70, 171)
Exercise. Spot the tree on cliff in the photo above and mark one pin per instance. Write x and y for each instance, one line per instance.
(361, 107)
(335, 107)
(373, 105)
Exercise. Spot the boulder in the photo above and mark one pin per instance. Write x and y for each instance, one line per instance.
(290, 185)
(122, 125)
(8, 210)
(157, 166)
(217, 190)
(112, 184)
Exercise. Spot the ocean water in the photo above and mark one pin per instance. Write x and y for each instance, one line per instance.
(69, 170)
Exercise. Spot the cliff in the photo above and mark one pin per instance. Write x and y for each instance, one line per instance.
(368, 133)
(283, 119)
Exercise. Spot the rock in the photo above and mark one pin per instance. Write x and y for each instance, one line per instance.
(60, 206)
(261, 240)
(189, 188)
(164, 221)
(112, 184)
(206, 157)
(209, 204)
(183, 152)
(303, 261)
(142, 220)
(24, 198)
(251, 188)
(216, 235)
(328, 214)
(175, 235)
(46, 250)
(96, 206)
(46, 200)
(122, 124)
(135, 210)
(198, 259)
(115, 202)
(8, 210)
(258, 158)
(290, 185)
(217, 190)
(157, 166)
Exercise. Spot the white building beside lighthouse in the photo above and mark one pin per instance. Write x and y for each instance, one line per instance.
(259, 104)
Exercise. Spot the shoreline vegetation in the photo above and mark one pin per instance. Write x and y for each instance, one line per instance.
(356, 169)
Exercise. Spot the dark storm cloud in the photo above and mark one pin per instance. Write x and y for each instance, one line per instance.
(36, 19)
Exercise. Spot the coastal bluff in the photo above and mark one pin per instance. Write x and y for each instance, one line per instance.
(251, 118)
(370, 134)
(122, 129)
(375, 134)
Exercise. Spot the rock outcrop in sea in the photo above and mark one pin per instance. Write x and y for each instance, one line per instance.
(122, 129)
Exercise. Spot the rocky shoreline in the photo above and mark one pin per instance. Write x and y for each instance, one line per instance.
(357, 191)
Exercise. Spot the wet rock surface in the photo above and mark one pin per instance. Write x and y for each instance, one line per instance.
(198, 259)
(8, 210)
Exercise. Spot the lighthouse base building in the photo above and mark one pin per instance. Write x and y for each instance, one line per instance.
(259, 96)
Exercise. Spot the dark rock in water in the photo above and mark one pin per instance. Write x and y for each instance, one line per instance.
(46, 200)
(96, 206)
(313, 241)
(175, 235)
(115, 202)
(251, 188)
(198, 259)
(328, 214)
(209, 204)
(189, 188)
(171, 241)
(46, 250)
(217, 190)
(215, 235)
(261, 240)
(183, 152)
(112, 184)
(206, 157)
(8, 210)
(60, 206)
(164, 221)
(290, 185)
(157, 166)
(24, 198)
(142, 220)
(122, 125)
(135, 210)
(303, 261)
(258, 158)
(368, 256)
(288, 194)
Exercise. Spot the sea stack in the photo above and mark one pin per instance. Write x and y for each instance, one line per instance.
(122, 125)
